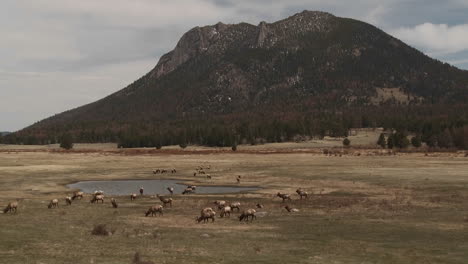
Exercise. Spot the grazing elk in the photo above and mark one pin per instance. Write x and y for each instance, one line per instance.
(290, 209)
(156, 171)
(248, 213)
(100, 192)
(235, 205)
(187, 190)
(284, 196)
(114, 203)
(11, 207)
(68, 200)
(155, 209)
(165, 200)
(97, 198)
(54, 203)
(259, 206)
(302, 193)
(206, 213)
(171, 190)
(226, 210)
(238, 178)
(133, 196)
(77, 195)
(141, 190)
(173, 171)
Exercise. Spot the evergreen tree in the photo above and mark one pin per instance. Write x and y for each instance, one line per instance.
(66, 141)
(382, 142)
(416, 141)
(390, 141)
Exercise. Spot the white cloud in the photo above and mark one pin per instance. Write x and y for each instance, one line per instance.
(436, 39)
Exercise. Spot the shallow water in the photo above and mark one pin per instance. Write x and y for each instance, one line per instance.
(151, 187)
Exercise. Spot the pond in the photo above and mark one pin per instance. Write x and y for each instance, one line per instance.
(151, 187)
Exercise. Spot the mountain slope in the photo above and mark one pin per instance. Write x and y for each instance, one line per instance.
(312, 73)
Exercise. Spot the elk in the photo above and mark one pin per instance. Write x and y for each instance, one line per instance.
(133, 196)
(114, 203)
(173, 171)
(11, 207)
(171, 190)
(193, 187)
(220, 203)
(206, 213)
(156, 171)
(291, 210)
(225, 211)
(259, 205)
(141, 190)
(68, 200)
(284, 196)
(165, 200)
(155, 209)
(235, 205)
(238, 178)
(77, 195)
(302, 193)
(208, 176)
(100, 192)
(97, 198)
(54, 203)
(248, 213)
(187, 190)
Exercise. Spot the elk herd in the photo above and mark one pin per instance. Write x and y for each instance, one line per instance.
(225, 208)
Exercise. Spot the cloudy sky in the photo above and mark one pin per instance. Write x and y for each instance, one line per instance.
(60, 54)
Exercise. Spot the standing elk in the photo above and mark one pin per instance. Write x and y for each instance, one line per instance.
(68, 200)
(141, 190)
(11, 207)
(114, 203)
(220, 203)
(235, 205)
(173, 171)
(248, 213)
(133, 196)
(284, 196)
(226, 210)
(155, 209)
(171, 190)
(302, 193)
(259, 205)
(97, 198)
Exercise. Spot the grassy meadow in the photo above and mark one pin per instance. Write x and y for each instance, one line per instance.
(404, 208)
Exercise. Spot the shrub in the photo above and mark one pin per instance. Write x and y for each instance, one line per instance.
(346, 142)
(382, 142)
(416, 141)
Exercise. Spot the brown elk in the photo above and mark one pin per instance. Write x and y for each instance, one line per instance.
(259, 205)
(141, 190)
(225, 211)
(284, 196)
(114, 203)
(187, 190)
(235, 205)
(11, 207)
(155, 209)
(54, 203)
(206, 213)
(133, 196)
(290, 209)
(248, 213)
(171, 190)
(165, 200)
(220, 203)
(302, 193)
(68, 200)
(97, 198)
(77, 195)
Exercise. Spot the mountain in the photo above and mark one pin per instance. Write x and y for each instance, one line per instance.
(310, 74)
(4, 133)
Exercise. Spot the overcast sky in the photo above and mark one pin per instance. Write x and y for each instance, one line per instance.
(60, 54)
